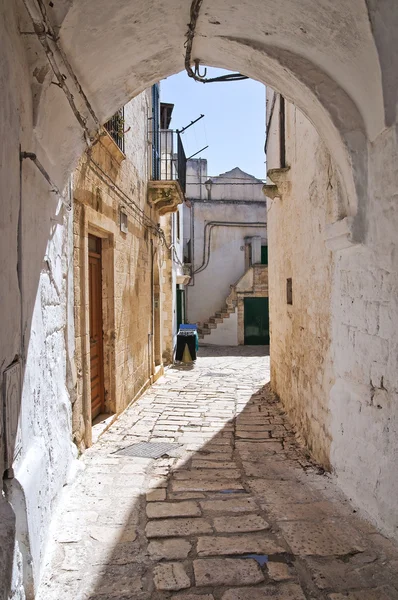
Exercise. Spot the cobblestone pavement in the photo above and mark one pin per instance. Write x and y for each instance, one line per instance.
(237, 512)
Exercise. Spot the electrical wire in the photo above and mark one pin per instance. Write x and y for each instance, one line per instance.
(138, 213)
(31, 156)
(44, 31)
(212, 224)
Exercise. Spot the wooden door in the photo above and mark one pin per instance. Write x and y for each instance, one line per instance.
(256, 321)
(96, 338)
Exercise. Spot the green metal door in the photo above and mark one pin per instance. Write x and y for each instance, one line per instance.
(180, 308)
(256, 321)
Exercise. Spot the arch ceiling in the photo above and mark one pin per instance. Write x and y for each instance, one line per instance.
(323, 56)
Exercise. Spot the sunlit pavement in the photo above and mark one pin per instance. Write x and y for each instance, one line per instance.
(238, 512)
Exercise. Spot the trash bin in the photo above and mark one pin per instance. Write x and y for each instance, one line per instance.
(187, 343)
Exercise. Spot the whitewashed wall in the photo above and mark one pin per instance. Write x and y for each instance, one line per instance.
(34, 331)
(235, 197)
(226, 333)
(334, 351)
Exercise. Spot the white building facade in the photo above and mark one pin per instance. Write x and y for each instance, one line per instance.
(225, 230)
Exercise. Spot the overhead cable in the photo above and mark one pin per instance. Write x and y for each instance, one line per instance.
(45, 32)
(31, 156)
(139, 214)
(207, 244)
(195, 73)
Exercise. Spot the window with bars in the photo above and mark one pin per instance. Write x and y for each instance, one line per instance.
(115, 128)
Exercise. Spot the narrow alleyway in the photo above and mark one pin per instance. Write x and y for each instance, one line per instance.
(236, 511)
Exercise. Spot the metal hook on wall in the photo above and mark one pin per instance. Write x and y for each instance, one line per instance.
(197, 69)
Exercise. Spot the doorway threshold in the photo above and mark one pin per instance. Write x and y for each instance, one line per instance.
(101, 424)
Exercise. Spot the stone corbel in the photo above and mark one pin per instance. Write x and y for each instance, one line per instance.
(340, 235)
(165, 196)
(280, 185)
(183, 279)
(271, 191)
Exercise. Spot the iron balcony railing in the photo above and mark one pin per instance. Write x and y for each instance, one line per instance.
(169, 160)
(115, 128)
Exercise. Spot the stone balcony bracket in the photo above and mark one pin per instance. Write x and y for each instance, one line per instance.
(109, 143)
(271, 191)
(280, 183)
(165, 196)
(183, 279)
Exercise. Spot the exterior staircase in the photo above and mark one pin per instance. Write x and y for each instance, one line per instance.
(218, 317)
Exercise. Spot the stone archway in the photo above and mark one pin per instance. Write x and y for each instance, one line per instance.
(336, 63)
(325, 61)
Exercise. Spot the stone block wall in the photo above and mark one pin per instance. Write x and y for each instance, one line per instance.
(301, 363)
(334, 349)
(127, 268)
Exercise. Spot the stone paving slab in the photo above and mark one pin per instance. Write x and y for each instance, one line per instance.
(159, 510)
(285, 592)
(239, 512)
(230, 524)
(227, 571)
(239, 544)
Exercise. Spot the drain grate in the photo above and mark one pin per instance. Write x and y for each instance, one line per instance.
(147, 449)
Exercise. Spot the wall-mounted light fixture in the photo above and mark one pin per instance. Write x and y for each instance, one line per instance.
(208, 185)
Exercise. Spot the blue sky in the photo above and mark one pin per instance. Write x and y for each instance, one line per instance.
(234, 122)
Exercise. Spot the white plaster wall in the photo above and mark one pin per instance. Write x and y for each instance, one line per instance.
(196, 177)
(239, 204)
(364, 398)
(334, 351)
(226, 333)
(33, 266)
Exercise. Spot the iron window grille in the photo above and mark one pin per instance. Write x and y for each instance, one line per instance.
(115, 128)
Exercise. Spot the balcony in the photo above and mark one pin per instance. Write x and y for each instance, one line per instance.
(167, 188)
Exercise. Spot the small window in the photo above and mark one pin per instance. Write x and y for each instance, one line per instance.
(94, 244)
(124, 226)
(289, 291)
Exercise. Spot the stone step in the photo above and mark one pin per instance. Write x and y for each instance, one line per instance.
(202, 332)
(215, 320)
